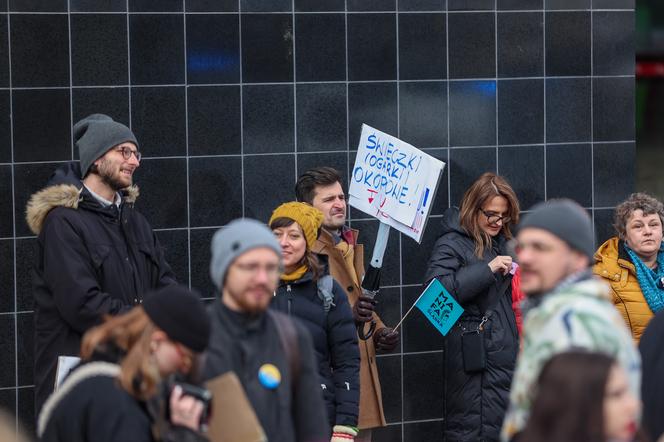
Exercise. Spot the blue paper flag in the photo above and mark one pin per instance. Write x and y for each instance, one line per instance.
(440, 308)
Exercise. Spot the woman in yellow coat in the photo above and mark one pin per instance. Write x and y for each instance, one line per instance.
(633, 262)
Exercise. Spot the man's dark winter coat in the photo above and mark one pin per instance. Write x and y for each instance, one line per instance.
(91, 261)
(243, 343)
(335, 343)
(475, 403)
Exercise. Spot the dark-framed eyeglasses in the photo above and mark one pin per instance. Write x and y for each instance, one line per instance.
(127, 152)
(492, 218)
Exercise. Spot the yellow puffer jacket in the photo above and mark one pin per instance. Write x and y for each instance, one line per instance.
(613, 264)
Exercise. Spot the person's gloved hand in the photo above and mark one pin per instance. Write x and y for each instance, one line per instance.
(386, 339)
(363, 309)
(343, 433)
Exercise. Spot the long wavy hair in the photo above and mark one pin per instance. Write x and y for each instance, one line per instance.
(309, 259)
(131, 333)
(487, 186)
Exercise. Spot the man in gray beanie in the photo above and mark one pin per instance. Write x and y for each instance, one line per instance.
(566, 307)
(96, 254)
(272, 356)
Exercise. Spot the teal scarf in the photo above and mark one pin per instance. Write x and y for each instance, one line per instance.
(648, 279)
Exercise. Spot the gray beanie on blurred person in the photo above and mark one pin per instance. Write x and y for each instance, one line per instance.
(565, 219)
(95, 134)
(235, 239)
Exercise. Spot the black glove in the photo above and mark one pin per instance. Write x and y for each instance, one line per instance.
(363, 309)
(385, 339)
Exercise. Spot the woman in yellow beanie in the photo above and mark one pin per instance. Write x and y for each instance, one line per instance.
(318, 301)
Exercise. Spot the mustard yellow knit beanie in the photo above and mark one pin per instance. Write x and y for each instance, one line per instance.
(308, 217)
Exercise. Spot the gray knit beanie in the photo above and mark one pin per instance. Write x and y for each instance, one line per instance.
(95, 134)
(565, 219)
(233, 240)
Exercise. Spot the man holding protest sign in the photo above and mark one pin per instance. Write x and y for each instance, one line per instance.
(321, 187)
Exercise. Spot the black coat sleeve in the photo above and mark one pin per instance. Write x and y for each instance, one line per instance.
(465, 280)
(309, 415)
(69, 271)
(165, 276)
(344, 358)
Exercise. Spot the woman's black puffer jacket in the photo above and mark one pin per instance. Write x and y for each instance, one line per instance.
(475, 403)
(335, 343)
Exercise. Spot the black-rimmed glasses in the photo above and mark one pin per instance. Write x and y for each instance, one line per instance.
(492, 218)
(127, 152)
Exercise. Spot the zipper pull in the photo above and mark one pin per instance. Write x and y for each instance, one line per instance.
(290, 298)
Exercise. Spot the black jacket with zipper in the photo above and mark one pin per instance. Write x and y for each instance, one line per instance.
(244, 343)
(475, 403)
(335, 343)
(91, 261)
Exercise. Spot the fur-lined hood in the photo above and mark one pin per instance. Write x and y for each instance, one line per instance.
(64, 189)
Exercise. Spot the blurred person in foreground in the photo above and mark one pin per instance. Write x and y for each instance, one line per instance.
(271, 354)
(651, 348)
(120, 393)
(583, 396)
(9, 430)
(567, 307)
(633, 261)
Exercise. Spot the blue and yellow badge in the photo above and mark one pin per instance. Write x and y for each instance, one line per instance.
(269, 376)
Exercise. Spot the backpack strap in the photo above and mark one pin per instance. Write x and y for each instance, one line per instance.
(288, 337)
(325, 284)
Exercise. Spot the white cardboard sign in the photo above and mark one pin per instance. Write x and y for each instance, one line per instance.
(394, 181)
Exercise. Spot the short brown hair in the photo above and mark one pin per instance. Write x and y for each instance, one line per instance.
(305, 187)
(636, 201)
(486, 187)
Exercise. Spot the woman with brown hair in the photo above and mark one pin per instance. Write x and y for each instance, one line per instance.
(470, 259)
(583, 396)
(115, 395)
(319, 302)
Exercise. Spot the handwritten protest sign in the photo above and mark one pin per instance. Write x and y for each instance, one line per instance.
(394, 181)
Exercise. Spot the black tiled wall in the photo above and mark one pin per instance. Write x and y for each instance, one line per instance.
(232, 99)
